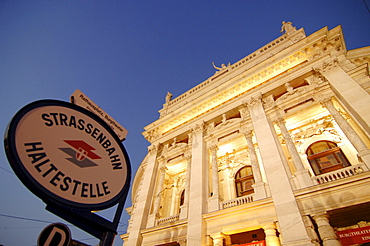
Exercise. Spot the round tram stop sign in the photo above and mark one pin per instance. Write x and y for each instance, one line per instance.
(56, 234)
(66, 154)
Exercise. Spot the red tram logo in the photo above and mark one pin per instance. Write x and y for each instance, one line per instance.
(81, 153)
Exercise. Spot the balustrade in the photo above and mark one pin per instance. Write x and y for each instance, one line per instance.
(340, 173)
(169, 219)
(237, 201)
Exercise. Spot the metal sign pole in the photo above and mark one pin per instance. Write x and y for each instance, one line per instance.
(108, 237)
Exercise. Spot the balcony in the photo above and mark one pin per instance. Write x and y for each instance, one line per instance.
(340, 173)
(237, 201)
(168, 219)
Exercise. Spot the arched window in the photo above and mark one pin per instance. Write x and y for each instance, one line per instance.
(326, 156)
(244, 181)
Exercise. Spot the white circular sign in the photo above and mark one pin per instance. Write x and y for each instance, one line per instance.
(65, 153)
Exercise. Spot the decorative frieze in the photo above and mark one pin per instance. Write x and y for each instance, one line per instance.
(317, 127)
(243, 83)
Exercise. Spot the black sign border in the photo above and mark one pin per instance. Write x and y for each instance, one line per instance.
(32, 184)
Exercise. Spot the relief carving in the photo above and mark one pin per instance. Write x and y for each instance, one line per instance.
(324, 47)
(152, 135)
(231, 161)
(327, 66)
(244, 113)
(315, 128)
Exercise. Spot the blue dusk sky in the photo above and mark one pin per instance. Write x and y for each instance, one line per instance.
(125, 56)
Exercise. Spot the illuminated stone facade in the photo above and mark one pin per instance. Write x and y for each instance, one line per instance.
(270, 150)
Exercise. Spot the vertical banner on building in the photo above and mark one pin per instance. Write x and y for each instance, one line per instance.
(355, 236)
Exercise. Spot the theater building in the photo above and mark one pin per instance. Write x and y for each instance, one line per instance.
(271, 150)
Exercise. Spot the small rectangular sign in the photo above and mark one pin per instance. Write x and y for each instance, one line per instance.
(82, 100)
(258, 243)
(355, 236)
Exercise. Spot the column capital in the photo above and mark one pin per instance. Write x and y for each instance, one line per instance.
(325, 100)
(163, 168)
(213, 148)
(211, 141)
(277, 115)
(319, 217)
(245, 128)
(326, 66)
(244, 113)
(153, 148)
(278, 119)
(254, 100)
(198, 128)
(269, 226)
(218, 236)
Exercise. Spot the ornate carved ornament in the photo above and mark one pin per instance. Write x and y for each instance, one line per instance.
(327, 66)
(315, 128)
(358, 61)
(198, 128)
(152, 135)
(233, 160)
(246, 128)
(293, 97)
(223, 126)
(324, 47)
(174, 147)
(153, 148)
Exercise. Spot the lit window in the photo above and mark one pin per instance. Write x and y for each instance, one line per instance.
(244, 181)
(182, 198)
(326, 156)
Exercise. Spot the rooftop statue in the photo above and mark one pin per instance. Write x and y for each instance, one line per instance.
(168, 97)
(287, 27)
(223, 66)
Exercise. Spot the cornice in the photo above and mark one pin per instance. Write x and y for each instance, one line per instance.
(234, 84)
(245, 84)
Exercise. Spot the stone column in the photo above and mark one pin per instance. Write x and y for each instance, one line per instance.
(363, 151)
(157, 199)
(351, 93)
(143, 198)
(302, 174)
(214, 200)
(259, 185)
(311, 230)
(270, 232)
(326, 232)
(218, 239)
(174, 197)
(196, 232)
(185, 206)
(290, 219)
